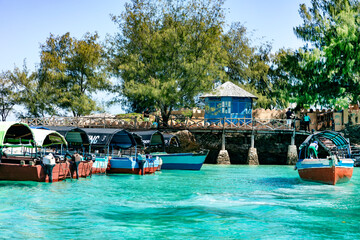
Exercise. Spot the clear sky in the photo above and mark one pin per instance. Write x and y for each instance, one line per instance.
(25, 24)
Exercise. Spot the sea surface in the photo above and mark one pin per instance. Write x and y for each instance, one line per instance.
(217, 202)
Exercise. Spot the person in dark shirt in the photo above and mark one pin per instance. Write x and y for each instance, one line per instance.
(289, 116)
(146, 115)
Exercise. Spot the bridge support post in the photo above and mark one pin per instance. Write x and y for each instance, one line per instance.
(223, 157)
(252, 158)
(292, 152)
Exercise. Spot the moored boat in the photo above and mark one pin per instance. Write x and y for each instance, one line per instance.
(141, 164)
(78, 141)
(182, 161)
(332, 165)
(29, 166)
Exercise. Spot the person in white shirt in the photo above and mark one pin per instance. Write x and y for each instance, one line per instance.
(313, 149)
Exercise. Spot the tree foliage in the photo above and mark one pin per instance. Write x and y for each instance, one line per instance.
(167, 52)
(254, 68)
(73, 69)
(8, 98)
(328, 69)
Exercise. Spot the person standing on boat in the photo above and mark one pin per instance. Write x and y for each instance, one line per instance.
(76, 158)
(48, 163)
(313, 149)
(307, 122)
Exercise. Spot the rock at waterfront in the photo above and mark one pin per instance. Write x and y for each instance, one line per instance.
(223, 157)
(252, 158)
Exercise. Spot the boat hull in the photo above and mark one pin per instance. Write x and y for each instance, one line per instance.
(100, 165)
(18, 172)
(323, 171)
(131, 166)
(182, 161)
(84, 169)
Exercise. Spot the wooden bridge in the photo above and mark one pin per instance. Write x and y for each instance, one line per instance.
(174, 124)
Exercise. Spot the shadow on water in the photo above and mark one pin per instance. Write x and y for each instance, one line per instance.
(15, 184)
(279, 182)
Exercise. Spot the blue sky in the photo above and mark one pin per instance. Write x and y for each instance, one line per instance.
(25, 24)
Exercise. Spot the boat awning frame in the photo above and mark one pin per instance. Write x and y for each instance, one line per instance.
(16, 134)
(169, 138)
(73, 135)
(105, 137)
(149, 138)
(46, 138)
(336, 137)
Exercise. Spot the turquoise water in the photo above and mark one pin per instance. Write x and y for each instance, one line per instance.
(218, 202)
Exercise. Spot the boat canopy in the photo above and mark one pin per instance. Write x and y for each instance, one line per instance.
(336, 137)
(14, 134)
(149, 138)
(46, 138)
(171, 140)
(103, 137)
(73, 135)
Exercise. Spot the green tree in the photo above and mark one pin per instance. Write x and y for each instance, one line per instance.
(7, 96)
(328, 68)
(167, 52)
(74, 69)
(251, 67)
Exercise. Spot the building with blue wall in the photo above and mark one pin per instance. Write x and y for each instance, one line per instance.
(230, 101)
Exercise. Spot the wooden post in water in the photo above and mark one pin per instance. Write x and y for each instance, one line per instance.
(292, 150)
(252, 158)
(223, 157)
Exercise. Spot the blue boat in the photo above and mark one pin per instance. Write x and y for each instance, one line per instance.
(107, 141)
(143, 164)
(182, 161)
(179, 161)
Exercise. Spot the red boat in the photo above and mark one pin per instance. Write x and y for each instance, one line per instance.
(28, 166)
(84, 169)
(333, 165)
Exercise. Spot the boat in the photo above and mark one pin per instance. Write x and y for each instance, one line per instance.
(332, 165)
(173, 161)
(182, 161)
(28, 164)
(78, 141)
(141, 164)
(118, 149)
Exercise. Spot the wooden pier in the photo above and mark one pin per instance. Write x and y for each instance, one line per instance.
(248, 126)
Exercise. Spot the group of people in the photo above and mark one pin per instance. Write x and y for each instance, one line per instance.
(290, 117)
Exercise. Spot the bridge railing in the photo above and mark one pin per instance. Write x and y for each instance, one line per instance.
(174, 122)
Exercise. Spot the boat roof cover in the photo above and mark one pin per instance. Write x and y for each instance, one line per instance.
(73, 135)
(45, 138)
(171, 140)
(149, 138)
(336, 137)
(15, 134)
(110, 137)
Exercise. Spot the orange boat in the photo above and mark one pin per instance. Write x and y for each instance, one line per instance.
(334, 163)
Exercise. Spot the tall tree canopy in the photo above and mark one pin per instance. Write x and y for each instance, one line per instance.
(74, 69)
(8, 97)
(167, 52)
(328, 69)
